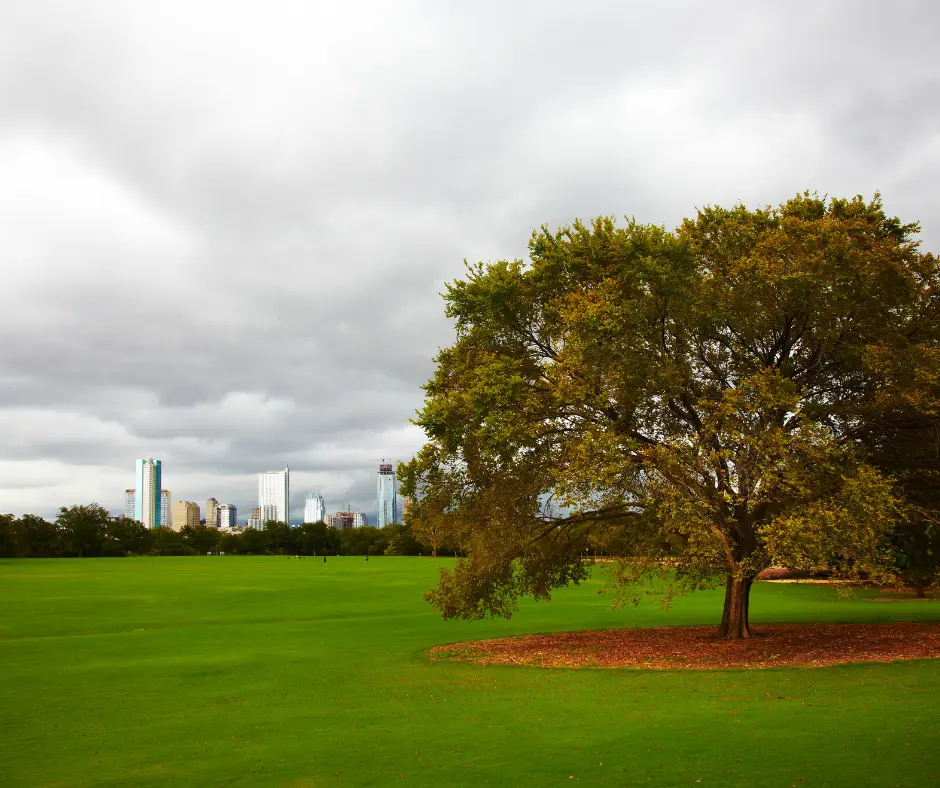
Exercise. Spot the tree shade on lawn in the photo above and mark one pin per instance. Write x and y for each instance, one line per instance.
(709, 396)
(260, 671)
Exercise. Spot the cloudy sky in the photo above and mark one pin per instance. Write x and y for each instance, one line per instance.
(224, 225)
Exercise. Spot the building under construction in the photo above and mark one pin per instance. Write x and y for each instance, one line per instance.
(344, 520)
(386, 498)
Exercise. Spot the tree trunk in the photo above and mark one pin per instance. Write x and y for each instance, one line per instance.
(921, 591)
(734, 618)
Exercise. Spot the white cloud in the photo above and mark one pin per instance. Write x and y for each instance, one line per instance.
(223, 226)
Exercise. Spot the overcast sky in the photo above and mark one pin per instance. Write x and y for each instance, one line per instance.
(224, 225)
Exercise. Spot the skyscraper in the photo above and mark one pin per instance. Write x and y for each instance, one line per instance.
(387, 503)
(228, 517)
(130, 500)
(314, 510)
(274, 495)
(147, 497)
(185, 513)
(212, 513)
(166, 512)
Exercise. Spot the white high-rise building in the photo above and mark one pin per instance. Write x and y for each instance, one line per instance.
(166, 512)
(314, 510)
(147, 497)
(130, 502)
(274, 495)
(228, 517)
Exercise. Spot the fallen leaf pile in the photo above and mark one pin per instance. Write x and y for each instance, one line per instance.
(697, 648)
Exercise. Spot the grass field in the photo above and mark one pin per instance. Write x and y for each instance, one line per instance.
(267, 671)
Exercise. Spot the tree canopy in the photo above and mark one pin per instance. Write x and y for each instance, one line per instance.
(703, 403)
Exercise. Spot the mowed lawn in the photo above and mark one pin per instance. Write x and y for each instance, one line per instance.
(242, 671)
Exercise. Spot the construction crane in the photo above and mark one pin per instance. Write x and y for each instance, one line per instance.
(383, 463)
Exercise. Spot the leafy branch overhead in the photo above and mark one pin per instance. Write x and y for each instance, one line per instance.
(702, 403)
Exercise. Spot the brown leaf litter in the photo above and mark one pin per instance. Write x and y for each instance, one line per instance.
(697, 648)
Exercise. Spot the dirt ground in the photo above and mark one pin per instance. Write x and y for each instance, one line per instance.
(697, 648)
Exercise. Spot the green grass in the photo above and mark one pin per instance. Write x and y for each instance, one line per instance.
(267, 671)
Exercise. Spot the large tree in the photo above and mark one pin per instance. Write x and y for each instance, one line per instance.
(696, 401)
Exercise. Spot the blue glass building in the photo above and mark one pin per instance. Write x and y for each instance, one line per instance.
(147, 498)
(387, 502)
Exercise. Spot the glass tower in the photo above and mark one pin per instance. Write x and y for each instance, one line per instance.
(387, 503)
(314, 510)
(147, 498)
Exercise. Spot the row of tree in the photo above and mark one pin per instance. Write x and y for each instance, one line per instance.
(89, 530)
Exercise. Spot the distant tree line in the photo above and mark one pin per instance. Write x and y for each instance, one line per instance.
(90, 531)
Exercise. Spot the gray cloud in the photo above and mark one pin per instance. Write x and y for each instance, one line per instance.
(223, 226)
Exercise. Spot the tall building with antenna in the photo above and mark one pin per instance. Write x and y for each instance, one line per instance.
(386, 498)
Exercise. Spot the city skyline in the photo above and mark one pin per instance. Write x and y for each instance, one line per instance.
(176, 511)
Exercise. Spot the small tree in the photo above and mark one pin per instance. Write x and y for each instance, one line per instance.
(314, 538)
(365, 540)
(10, 540)
(165, 541)
(123, 536)
(278, 535)
(40, 538)
(255, 541)
(200, 538)
(694, 400)
(230, 543)
(401, 541)
(83, 528)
